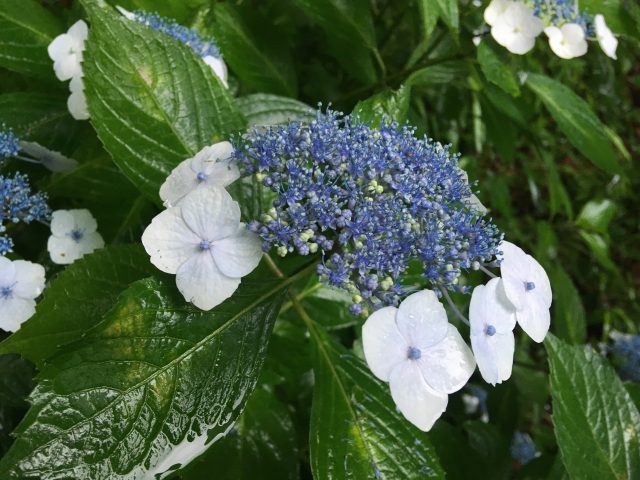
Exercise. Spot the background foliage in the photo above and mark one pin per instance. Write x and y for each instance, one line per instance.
(552, 144)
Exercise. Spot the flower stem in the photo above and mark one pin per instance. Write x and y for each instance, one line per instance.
(488, 272)
(454, 307)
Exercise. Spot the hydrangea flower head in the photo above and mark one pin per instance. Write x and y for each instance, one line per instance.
(18, 204)
(370, 200)
(9, 143)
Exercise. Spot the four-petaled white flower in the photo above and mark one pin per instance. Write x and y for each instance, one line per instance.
(607, 41)
(567, 41)
(211, 168)
(420, 354)
(50, 159)
(66, 51)
(492, 320)
(515, 27)
(77, 101)
(73, 235)
(203, 242)
(527, 287)
(20, 283)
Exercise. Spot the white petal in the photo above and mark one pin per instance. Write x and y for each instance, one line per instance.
(63, 250)
(490, 307)
(495, 9)
(535, 320)
(84, 220)
(607, 41)
(91, 242)
(77, 105)
(60, 47)
(219, 68)
(202, 284)
(76, 84)
(422, 319)
(521, 44)
(29, 279)
(169, 241)
(384, 346)
(79, 32)
(503, 34)
(62, 222)
(419, 404)
(52, 160)
(7, 272)
(239, 254)
(67, 67)
(448, 365)
(494, 355)
(572, 33)
(14, 311)
(180, 181)
(211, 213)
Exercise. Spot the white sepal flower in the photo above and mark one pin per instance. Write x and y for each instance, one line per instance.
(492, 319)
(73, 235)
(607, 41)
(66, 51)
(495, 10)
(219, 68)
(516, 28)
(50, 159)
(20, 283)
(567, 41)
(203, 242)
(527, 287)
(77, 101)
(420, 354)
(210, 168)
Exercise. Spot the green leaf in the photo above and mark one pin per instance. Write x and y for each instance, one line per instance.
(386, 104)
(262, 440)
(596, 422)
(349, 32)
(440, 74)
(149, 388)
(76, 300)
(264, 109)
(16, 383)
(429, 14)
(569, 318)
(26, 29)
(449, 13)
(180, 10)
(619, 14)
(596, 215)
(599, 249)
(254, 54)
(356, 431)
(153, 102)
(493, 63)
(577, 120)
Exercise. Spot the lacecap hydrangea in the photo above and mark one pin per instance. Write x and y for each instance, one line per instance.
(371, 201)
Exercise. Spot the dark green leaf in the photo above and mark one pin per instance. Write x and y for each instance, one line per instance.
(254, 54)
(597, 424)
(569, 318)
(429, 14)
(149, 388)
(153, 102)
(493, 63)
(264, 109)
(76, 300)
(26, 29)
(440, 74)
(16, 383)
(449, 12)
(386, 104)
(577, 120)
(356, 431)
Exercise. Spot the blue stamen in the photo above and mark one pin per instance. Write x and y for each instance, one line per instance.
(201, 176)
(76, 235)
(205, 245)
(490, 330)
(413, 353)
(528, 286)
(6, 292)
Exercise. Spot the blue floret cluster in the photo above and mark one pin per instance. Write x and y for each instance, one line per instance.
(203, 46)
(9, 143)
(559, 12)
(626, 355)
(18, 204)
(370, 200)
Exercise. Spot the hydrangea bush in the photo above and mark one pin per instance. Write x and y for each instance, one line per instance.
(319, 239)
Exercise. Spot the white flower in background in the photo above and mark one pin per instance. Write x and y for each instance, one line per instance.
(568, 41)
(73, 235)
(203, 242)
(607, 41)
(495, 10)
(492, 319)
(20, 283)
(66, 51)
(420, 354)
(210, 168)
(52, 160)
(77, 101)
(527, 287)
(515, 27)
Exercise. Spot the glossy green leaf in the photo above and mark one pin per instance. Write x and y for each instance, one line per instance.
(493, 63)
(264, 109)
(356, 431)
(577, 121)
(388, 104)
(254, 53)
(76, 300)
(149, 388)
(153, 102)
(569, 318)
(26, 29)
(349, 32)
(262, 440)
(16, 382)
(596, 215)
(599, 249)
(597, 425)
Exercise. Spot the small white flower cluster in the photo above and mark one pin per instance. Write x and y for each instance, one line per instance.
(423, 356)
(200, 237)
(66, 51)
(515, 26)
